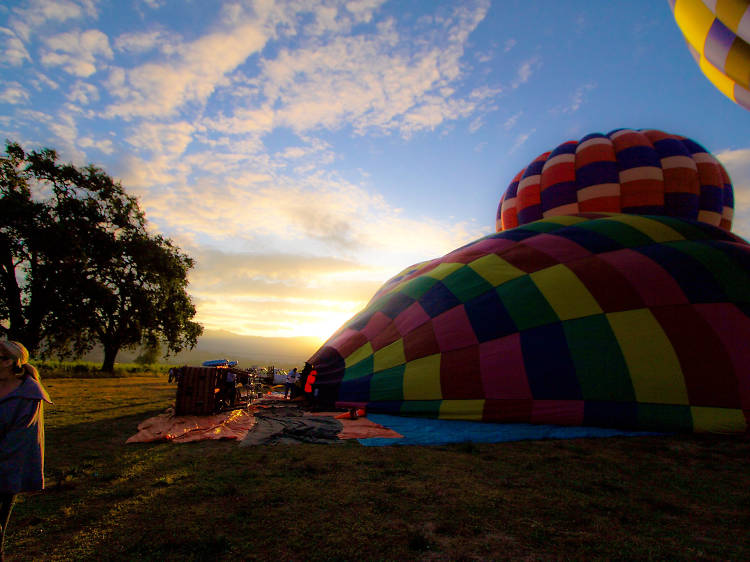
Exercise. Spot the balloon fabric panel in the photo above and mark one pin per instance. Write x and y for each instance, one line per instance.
(718, 34)
(599, 380)
(733, 329)
(635, 172)
(503, 370)
(700, 352)
(652, 282)
(604, 319)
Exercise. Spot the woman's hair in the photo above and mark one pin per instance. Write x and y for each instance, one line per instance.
(20, 355)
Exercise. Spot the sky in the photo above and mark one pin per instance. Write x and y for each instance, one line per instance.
(305, 151)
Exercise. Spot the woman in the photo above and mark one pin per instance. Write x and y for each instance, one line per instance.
(21, 429)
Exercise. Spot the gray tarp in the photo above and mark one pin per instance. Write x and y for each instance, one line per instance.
(286, 424)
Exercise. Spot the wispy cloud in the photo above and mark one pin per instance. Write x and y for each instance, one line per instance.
(83, 93)
(190, 75)
(520, 140)
(383, 81)
(511, 121)
(525, 70)
(281, 242)
(476, 124)
(30, 15)
(576, 99)
(105, 146)
(145, 41)
(14, 93)
(14, 52)
(77, 52)
(737, 164)
(40, 81)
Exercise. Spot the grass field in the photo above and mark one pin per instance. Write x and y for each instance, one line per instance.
(675, 497)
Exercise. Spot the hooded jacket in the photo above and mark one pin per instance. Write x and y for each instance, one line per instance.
(22, 438)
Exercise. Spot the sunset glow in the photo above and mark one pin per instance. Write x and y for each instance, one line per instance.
(304, 153)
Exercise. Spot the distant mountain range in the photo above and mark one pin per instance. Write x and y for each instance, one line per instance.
(249, 351)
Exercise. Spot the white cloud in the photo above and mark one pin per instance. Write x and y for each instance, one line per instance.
(484, 57)
(40, 81)
(83, 93)
(279, 294)
(303, 294)
(520, 140)
(362, 10)
(737, 164)
(577, 98)
(215, 178)
(35, 13)
(102, 145)
(161, 139)
(511, 121)
(14, 93)
(525, 70)
(77, 52)
(322, 212)
(191, 75)
(509, 44)
(61, 133)
(476, 124)
(243, 121)
(14, 52)
(145, 41)
(145, 176)
(383, 81)
(154, 4)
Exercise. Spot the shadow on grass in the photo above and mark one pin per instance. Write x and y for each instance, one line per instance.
(126, 406)
(101, 494)
(663, 498)
(73, 447)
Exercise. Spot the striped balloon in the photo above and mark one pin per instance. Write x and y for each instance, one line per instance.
(604, 320)
(718, 35)
(645, 172)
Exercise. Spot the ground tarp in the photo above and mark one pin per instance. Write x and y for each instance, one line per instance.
(266, 422)
(273, 420)
(427, 431)
(184, 429)
(288, 424)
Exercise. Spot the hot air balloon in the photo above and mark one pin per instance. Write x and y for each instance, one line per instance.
(645, 172)
(600, 319)
(718, 36)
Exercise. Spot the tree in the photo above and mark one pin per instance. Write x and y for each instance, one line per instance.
(78, 265)
(149, 355)
(28, 246)
(141, 297)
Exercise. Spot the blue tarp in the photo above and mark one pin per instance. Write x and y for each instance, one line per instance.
(219, 363)
(427, 431)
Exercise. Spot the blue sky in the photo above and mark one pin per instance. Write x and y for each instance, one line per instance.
(304, 151)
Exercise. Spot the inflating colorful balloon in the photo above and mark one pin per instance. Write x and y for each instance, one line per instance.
(718, 35)
(605, 320)
(644, 172)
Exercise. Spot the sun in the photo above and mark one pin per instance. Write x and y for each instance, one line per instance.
(323, 324)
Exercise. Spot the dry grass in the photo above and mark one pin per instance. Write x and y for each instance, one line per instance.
(677, 497)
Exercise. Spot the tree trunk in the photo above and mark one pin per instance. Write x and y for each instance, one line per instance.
(110, 353)
(16, 325)
(38, 308)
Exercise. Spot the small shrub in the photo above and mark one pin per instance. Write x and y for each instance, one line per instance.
(54, 369)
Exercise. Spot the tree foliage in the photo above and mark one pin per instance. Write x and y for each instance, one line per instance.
(79, 267)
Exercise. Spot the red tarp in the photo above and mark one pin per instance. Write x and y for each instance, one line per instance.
(183, 429)
(236, 424)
